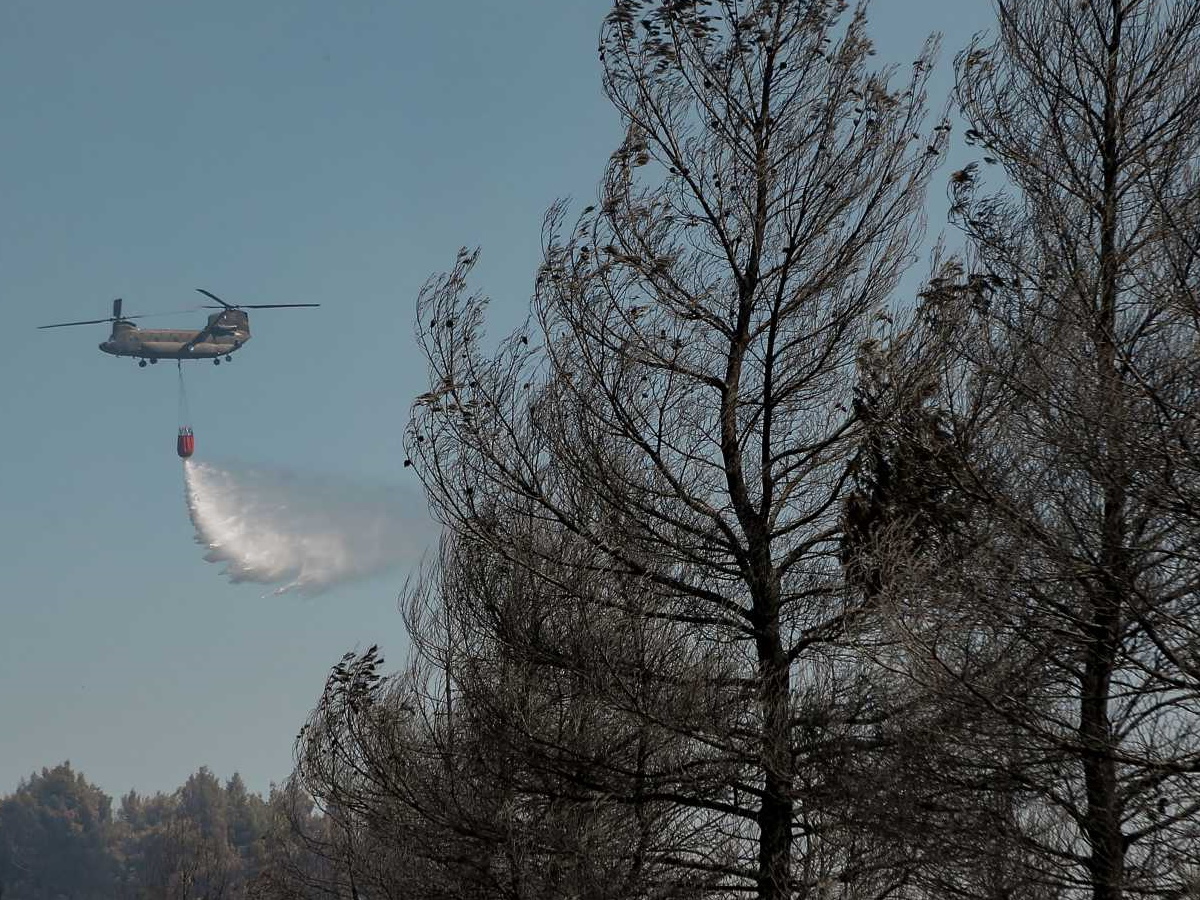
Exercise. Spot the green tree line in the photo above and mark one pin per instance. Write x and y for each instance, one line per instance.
(62, 839)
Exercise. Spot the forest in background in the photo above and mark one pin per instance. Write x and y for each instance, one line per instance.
(61, 837)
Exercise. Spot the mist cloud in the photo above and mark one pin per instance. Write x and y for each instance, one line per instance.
(301, 533)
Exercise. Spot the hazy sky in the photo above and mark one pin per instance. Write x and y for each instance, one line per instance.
(272, 152)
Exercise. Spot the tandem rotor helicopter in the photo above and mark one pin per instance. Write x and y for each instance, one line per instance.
(225, 332)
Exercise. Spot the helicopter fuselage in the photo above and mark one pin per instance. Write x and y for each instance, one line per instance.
(225, 333)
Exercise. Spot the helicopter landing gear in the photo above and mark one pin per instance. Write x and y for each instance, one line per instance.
(154, 361)
(228, 358)
(141, 364)
(216, 361)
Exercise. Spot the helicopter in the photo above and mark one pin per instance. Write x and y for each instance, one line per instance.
(225, 332)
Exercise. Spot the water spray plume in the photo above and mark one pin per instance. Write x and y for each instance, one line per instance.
(300, 533)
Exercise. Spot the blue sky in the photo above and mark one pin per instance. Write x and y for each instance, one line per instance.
(271, 152)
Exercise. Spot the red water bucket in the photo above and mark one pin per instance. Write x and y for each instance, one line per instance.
(185, 444)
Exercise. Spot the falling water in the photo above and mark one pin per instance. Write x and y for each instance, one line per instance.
(301, 533)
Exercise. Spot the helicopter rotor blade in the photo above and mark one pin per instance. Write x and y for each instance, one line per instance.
(177, 312)
(213, 296)
(67, 324)
(159, 315)
(266, 306)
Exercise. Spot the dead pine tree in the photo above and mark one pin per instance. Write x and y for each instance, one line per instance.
(500, 762)
(680, 402)
(1070, 627)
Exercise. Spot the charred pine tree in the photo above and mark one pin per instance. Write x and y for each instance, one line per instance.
(681, 401)
(1070, 627)
(505, 761)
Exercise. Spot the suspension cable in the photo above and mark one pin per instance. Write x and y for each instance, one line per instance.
(185, 415)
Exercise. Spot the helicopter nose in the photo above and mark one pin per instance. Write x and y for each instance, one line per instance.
(107, 347)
